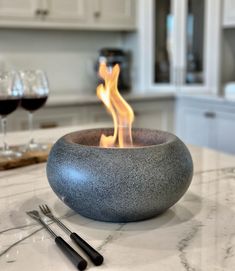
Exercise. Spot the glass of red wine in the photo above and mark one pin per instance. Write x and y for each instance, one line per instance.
(35, 94)
(10, 95)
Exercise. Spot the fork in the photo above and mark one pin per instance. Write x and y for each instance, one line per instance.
(94, 255)
(77, 260)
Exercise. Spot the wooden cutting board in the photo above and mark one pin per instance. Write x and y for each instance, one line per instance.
(27, 158)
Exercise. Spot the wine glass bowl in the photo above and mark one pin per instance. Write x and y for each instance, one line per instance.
(10, 95)
(33, 103)
(35, 94)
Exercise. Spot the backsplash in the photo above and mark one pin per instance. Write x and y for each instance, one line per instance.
(67, 56)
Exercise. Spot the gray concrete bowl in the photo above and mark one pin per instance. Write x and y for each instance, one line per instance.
(119, 185)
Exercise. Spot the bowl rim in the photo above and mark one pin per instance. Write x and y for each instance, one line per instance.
(170, 139)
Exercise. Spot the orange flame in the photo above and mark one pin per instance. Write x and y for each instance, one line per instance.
(122, 113)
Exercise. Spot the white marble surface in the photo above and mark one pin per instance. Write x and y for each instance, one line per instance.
(76, 99)
(81, 99)
(198, 233)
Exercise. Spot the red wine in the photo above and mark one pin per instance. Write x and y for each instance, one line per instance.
(33, 103)
(8, 105)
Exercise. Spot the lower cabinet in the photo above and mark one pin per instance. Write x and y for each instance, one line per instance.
(208, 124)
(46, 117)
(225, 132)
(193, 126)
(155, 114)
(73, 14)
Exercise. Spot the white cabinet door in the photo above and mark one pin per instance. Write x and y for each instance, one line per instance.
(151, 120)
(156, 114)
(207, 124)
(48, 117)
(114, 14)
(74, 14)
(195, 126)
(22, 9)
(225, 132)
(96, 113)
(199, 37)
(179, 44)
(66, 11)
(229, 13)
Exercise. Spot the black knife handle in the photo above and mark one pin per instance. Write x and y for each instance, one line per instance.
(77, 260)
(94, 255)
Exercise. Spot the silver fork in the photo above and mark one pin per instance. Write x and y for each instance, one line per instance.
(77, 260)
(94, 255)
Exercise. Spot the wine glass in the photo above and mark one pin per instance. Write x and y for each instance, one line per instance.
(10, 95)
(35, 94)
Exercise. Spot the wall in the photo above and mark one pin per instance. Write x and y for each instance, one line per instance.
(67, 56)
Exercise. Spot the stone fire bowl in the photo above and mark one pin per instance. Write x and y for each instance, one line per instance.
(119, 185)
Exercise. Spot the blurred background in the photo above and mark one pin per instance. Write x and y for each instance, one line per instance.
(177, 62)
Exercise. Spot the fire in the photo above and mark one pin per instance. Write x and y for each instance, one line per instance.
(120, 110)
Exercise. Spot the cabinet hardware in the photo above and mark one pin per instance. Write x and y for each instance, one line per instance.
(97, 14)
(45, 12)
(46, 125)
(210, 115)
(136, 113)
(38, 12)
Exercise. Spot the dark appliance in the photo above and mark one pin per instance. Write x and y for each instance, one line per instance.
(112, 56)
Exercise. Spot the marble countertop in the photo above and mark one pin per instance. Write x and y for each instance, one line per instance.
(61, 99)
(79, 99)
(197, 233)
(207, 98)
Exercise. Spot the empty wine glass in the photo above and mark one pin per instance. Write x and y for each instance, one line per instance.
(35, 93)
(10, 96)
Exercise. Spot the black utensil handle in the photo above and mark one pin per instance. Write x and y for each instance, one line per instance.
(94, 255)
(77, 260)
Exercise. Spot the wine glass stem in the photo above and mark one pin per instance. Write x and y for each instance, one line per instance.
(4, 130)
(30, 118)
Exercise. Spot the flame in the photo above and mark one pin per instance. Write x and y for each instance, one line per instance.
(120, 110)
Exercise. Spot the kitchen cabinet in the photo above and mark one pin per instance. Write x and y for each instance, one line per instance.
(73, 14)
(195, 125)
(155, 114)
(20, 9)
(67, 11)
(112, 13)
(229, 13)
(225, 131)
(206, 123)
(46, 117)
(179, 48)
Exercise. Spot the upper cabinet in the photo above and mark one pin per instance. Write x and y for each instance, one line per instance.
(77, 14)
(21, 9)
(181, 48)
(68, 11)
(229, 13)
(113, 13)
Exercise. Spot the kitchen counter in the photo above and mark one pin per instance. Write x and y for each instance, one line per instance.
(198, 233)
(213, 99)
(82, 99)
(73, 99)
